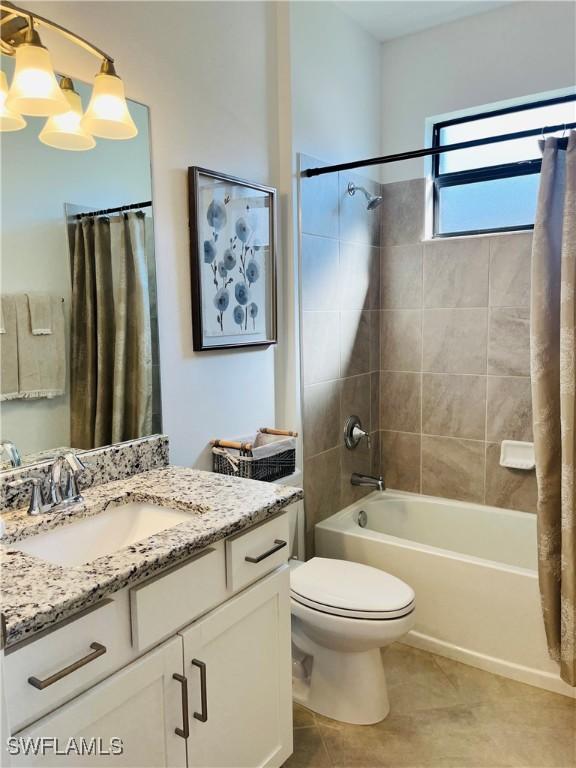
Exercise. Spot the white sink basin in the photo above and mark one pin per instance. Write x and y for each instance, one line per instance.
(102, 534)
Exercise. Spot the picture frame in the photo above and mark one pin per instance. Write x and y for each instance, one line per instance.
(233, 270)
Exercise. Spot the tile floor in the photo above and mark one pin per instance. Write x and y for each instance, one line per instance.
(444, 715)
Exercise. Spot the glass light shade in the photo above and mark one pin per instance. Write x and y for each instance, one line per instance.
(35, 90)
(65, 131)
(9, 120)
(107, 115)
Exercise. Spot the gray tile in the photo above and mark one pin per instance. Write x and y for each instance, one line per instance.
(401, 340)
(309, 750)
(453, 468)
(455, 340)
(302, 717)
(401, 277)
(456, 273)
(321, 486)
(509, 409)
(403, 212)
(357, 223)
(400, 401)
(375, 400)
(321, 343)
(509, 341)
(359, 276)
(321, 417)
(359, 459)
(320, 257)
(318, 201)
(510, 263)
(509, 488)
(453, 405)
(401, 460)
(374, 340)
(355, 400)
(354, 342)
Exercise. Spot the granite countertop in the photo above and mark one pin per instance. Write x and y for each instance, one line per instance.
(37, 594)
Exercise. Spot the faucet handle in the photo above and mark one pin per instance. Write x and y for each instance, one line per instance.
(37, 503)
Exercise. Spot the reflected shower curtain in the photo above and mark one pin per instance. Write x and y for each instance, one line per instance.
(111, 348)
(553, 354)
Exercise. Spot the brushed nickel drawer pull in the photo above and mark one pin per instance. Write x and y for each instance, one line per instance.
(202, 716)
(97, 650)
(183, 732)
(279, 544)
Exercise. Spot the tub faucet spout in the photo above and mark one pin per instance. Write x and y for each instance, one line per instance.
(368, 480)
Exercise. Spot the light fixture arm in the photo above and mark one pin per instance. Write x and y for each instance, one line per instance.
(13, 11)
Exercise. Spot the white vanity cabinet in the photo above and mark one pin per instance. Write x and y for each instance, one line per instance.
(141, 705)
(216, 694)
(237, 661)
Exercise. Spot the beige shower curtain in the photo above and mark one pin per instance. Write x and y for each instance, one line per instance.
(553, 370)
(111, 348)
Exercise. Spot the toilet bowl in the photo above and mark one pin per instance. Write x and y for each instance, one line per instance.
(343, 613)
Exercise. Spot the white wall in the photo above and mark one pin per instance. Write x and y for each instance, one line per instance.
(515, 51)
(208, 73)
(335, 85)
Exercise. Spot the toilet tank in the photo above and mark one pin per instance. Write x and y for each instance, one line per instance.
(296, 517)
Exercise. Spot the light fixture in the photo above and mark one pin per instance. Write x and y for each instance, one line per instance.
(107, 115)
(9, 120)
(34, 89)
(65, 131)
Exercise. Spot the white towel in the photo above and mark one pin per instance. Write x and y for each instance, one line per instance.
(41, 359)
(40, 305)
(9, 389)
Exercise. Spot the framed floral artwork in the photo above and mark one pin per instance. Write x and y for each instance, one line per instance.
(233, 261)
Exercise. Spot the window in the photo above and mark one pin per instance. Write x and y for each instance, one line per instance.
(493, 187)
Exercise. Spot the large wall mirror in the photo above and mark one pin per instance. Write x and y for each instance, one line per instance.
(79, 332)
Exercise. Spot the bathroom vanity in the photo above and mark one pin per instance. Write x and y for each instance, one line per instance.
(171, 650)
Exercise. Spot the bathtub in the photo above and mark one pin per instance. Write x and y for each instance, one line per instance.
(474, 571)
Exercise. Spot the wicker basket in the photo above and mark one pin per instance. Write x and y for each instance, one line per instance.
(264, 456)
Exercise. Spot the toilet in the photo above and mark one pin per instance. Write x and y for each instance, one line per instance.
(343, 613)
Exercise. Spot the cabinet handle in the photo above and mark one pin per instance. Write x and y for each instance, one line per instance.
(202, 716)
(183, 732)
(278, 544)
(97, 650)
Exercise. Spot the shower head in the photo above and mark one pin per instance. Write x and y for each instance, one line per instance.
(373, 200)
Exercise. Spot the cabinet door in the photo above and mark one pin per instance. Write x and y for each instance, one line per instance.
(238, 660)
(141, 705)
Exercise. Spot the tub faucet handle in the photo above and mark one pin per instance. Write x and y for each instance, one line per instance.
(353, 433)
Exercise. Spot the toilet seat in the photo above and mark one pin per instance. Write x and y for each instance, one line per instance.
(351, 590)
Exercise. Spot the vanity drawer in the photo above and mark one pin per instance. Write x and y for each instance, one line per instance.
(44, 672)
(255, 553)
(167, 602)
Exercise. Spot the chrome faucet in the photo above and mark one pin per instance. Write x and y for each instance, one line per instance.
(9, 448)
(71, 494)
(368, 480)
(60, 495)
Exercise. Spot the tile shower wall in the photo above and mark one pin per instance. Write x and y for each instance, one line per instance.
(340, 338)
(454, 355)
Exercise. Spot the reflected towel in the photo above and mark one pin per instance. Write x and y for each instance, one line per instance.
(9, 389)
(40, 305)
(41, 359)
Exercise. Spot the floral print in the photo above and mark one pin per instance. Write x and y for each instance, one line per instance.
(235, 265)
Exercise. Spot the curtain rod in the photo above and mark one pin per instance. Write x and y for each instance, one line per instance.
(120, 209)
(436, 150)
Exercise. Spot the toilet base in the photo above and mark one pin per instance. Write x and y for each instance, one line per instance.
(350, 687)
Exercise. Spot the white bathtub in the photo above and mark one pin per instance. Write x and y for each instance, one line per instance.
(473, 569)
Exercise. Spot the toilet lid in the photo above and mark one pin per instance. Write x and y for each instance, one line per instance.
(350, 589)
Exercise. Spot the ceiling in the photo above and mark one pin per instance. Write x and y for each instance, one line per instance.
(387, 19)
